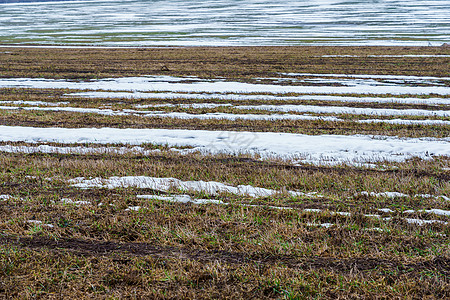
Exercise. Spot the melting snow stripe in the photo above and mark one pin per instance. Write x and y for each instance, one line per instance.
(319, 149)
(166, 184)
(76, 150)
(262, 107)
(261, 97)
(189, 199)
(272, 117)
(435, 211)
(167, 83)
(373, 76)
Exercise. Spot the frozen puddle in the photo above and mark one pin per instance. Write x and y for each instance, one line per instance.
(359, 84)
(311, 149)
(166, 184)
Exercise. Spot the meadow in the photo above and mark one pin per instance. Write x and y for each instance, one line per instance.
(225, 172)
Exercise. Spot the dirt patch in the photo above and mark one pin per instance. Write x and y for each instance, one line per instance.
(97, 248)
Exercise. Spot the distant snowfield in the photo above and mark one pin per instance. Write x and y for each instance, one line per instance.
(359, 84)
(305, 148)
(226, 23)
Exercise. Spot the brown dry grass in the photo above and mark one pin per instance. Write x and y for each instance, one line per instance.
(175, 250)
(230, 62)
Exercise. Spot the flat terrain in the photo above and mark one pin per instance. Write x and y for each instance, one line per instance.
(234, 173)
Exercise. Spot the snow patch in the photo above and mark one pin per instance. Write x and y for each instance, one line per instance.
(182, 199)
(36, 222)
(310, 149)
(385, 194)
(133, 208)
(435, 211)
(166, 184)
(178, 84)
(5, 197)
(243, 97)
(76, 150)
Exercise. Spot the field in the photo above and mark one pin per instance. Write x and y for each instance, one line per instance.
(225, 172)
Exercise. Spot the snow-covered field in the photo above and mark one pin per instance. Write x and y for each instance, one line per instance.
(224, 172)
(316, 149)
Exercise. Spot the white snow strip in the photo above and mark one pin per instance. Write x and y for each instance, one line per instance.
(419, 222)
(189, 199)
(314, 210)
(373, 76)
(322, 109)
(261, 97)
(424, 222)
(326, 225)
(281, 108)
(347, 110)
(319, 148)
(165, 184)
(396, 194)
(178, 115)
(411, 55)
(227, 116)
(374, 229)
(435, 211)
(340, 213)
(182, 199)
(76, 150)
(99, 111)
(385, 194)
(386, 210)
(5, 197)
(407, 122)
(78, 203)
(133, 208)
(167, 83)
(432, 196)
(85, 46)
(36, 222)
(32, 103)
